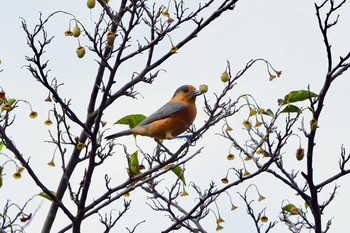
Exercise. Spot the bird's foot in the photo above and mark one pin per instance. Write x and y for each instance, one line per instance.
(187, 137)
(161, 147)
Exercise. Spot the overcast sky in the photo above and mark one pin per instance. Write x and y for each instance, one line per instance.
(283, 32)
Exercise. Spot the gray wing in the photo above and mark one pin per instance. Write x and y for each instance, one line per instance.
(169, 109)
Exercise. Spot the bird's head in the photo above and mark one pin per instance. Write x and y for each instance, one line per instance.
(187, 92)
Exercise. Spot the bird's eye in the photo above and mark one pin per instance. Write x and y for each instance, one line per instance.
(186, 90)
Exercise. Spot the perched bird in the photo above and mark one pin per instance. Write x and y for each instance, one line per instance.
(170, 120)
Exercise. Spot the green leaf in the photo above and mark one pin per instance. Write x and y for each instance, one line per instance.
(179, 173)
(131, 120)
(291, 108)
(44, 195)
(1, 145)
(290, 208)
(134, 166)
(296, 96)
(11, 101)
(268, 112)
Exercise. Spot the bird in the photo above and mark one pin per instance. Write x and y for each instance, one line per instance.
(172, 119)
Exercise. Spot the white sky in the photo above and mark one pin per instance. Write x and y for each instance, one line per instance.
(283, 32)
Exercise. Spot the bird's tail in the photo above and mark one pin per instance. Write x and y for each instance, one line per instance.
(120, 134)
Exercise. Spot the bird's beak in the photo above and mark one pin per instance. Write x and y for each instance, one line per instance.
(196, 93)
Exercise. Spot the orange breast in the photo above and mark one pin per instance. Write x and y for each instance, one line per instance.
(172, 126)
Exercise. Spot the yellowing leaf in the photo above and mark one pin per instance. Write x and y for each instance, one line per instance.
(1, 145)
(44, 195)
(290, 208)
(179, 173)
(134, 167)
(131, 120)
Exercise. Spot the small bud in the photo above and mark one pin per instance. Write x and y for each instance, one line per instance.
(230, 157)
(33, 114)
(51, 163)
(233, 207)
(91, 3)
(76, 31)
(258, 124)
(261, 111)
(224, 77)
(261, 198)
(48, 98)
(170, 20)
(228, 128)
(224, 180)
(68, 33)
(165, 13)
(219, 220)
(260, 151)
(219, 227)
(173, 49)
(247, 124)
(247, 158)
(264, 219)
(17, 175)
(80, 51)
(252, 112)
(203, 88)
(313, 124)
(184, 193)
(246, 173)
(48, 122)
(21, 169)
(272, 77)
(300, 153)
(80, 146)
(110, 38)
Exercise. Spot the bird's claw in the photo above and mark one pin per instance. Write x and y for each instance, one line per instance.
(187, 136)
(163, 148)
